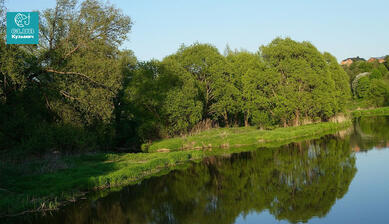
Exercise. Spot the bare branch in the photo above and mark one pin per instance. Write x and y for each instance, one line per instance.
(81, 75)
(67, 95)
(72, 51)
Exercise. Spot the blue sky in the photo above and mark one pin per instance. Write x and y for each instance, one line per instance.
(343, 28)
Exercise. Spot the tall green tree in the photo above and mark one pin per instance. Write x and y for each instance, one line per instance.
(249, 78)
(79, 58)
(53, 93)
(307, 86)
(226, 95)
(342, 92)
(205, 64)
(142, 101)
(183, 107)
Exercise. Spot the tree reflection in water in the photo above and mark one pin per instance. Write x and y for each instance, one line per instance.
(295, 182)
(370, 132)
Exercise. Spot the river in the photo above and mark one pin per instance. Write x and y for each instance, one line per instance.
(339, 178)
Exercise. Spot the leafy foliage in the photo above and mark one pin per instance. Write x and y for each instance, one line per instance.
(370, 81)
(286, 83)
(69, 81)
(78, 78)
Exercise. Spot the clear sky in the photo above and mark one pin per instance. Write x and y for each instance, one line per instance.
(344, 28)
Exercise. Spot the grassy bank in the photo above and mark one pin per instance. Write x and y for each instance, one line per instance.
(51, 182)
(239, 136)
(56, 181)
(371, 112)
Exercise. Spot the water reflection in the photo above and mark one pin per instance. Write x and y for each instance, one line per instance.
(370, 132)
(295, 183)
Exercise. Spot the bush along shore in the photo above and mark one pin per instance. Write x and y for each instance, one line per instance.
(58, 180)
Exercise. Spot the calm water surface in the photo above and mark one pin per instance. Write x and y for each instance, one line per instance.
(341, 178)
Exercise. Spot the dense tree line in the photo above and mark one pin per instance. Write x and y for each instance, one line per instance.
(369, 82)
(77, 90)
(285, 83)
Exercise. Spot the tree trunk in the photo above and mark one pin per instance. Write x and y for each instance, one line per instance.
(297, 118)
(246, 118)
(226, 118)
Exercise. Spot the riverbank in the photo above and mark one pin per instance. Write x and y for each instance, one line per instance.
(371, 112)
(237, 137)
(240, 136)
(47, 183)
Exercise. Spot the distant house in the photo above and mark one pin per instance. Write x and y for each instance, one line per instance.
(349, 61)
(379, 59)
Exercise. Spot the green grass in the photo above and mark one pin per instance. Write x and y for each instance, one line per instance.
(371, 112)
(239, 136)
(39, 191)
(46, 189)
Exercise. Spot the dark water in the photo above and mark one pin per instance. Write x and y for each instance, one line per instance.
(342, 178)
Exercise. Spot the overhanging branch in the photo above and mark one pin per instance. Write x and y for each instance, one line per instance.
(80, 75)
